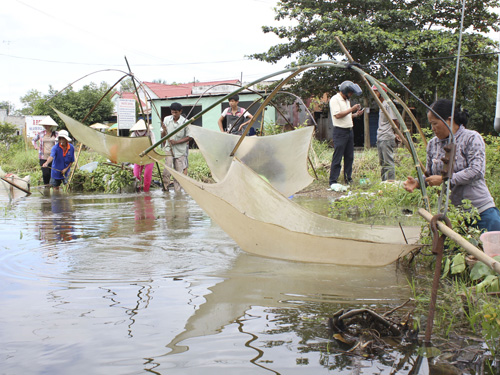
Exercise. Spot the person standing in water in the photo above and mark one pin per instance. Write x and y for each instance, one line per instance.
(140, 130)
(43, 142)
(177, 146)
(62, 157)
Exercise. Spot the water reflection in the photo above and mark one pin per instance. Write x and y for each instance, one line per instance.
(144, 214)
(61, 225)
(137, 287)
(177, 213)
(255, 281)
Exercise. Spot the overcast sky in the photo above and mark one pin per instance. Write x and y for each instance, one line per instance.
(55, 42)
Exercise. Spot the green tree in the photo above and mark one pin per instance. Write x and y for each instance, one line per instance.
(8, 106)
(76, 104)
(416, 39)
(127, 85)
(29, 101)
(7, 134)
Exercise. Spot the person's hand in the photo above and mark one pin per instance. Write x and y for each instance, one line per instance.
(398, 139)
(44, 165)
(358, 113)
(355, 107)
(410, 184)
(434, 180)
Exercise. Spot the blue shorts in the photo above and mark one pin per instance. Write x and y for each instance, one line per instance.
(490, 220)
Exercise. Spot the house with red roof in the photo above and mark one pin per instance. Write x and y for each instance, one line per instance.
(207, 97)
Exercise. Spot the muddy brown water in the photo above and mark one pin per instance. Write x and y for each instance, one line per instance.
(129, 284)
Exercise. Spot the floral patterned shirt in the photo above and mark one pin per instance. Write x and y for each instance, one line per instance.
(46, 142)
(467, 181)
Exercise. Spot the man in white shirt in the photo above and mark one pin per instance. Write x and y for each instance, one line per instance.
(343, 138)
(176, 147)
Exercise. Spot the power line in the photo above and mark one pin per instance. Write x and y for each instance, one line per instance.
(101, 64)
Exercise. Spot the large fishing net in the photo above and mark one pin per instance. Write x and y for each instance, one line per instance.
(281, 158)
(116, 149)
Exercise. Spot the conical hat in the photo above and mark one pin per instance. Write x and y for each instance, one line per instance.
(48, 121)
(139, 125)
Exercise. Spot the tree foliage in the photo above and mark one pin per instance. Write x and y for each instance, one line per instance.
(76, 104)
(415, 40)
(127, 85)
(11, 110)
(7, 133)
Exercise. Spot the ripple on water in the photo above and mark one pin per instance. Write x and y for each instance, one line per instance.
(114, 283)
(119, 238)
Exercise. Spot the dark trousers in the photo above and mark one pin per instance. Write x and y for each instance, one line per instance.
(343, 143)
(45, 172)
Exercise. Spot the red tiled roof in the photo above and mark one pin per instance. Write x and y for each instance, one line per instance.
(128, 95)
(164, 91)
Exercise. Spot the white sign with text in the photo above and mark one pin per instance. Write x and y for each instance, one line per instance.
(126, 113)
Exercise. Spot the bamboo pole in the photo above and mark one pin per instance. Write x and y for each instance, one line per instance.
(84, 119)
(408, 142)
(15, 185)
(213, 105)
(144, 116)
(264, 104)
(459, 240)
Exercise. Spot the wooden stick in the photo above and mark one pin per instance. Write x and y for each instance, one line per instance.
(262, 106)
(459, 240)
(75, 164)
(16, 186)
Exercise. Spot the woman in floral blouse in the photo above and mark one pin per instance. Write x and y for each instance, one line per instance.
(467, 181)
(43, 142)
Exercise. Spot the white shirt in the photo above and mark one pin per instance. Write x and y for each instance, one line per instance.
(180, 149)
(339, 104)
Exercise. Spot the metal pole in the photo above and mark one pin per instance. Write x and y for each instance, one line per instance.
(497, 114)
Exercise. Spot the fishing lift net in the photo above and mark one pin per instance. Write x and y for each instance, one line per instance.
(116, 149)
(281, 159)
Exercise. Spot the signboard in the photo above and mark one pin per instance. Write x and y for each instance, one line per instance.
(126, 113)
(32, 127)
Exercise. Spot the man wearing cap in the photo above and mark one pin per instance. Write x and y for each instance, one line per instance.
(140, 130)
(62, 157)
(343, 137)
(43, 142)
(176, 147)
(386, 139)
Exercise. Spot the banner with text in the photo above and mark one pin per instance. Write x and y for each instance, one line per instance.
(32, 127)
(126, 113)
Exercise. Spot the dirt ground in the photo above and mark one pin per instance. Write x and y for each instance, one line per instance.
(318, 190)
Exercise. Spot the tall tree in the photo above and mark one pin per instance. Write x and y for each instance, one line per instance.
(416, 39)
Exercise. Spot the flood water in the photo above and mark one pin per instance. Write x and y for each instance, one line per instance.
(130, 284)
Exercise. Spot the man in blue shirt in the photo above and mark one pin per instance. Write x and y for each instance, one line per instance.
(62, 157)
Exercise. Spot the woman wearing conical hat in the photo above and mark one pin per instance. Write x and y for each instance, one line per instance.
(140, 130)
(43, 142)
